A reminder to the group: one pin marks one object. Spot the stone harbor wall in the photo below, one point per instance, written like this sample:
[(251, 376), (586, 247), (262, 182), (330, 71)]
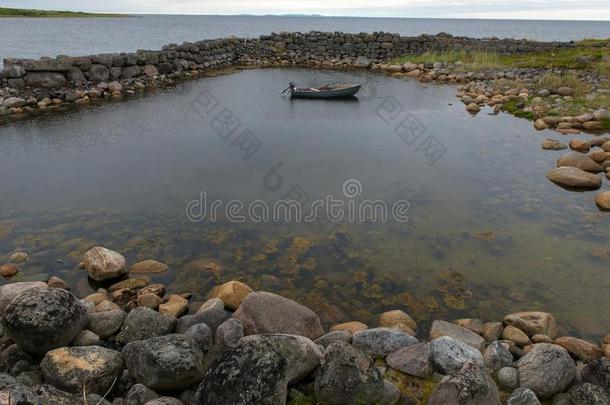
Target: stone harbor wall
[(341, 49)]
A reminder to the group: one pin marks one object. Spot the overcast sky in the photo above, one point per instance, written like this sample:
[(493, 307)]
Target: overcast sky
[(503, 9)]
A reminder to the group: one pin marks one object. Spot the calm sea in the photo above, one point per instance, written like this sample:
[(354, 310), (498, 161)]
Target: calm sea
[(25, 37)]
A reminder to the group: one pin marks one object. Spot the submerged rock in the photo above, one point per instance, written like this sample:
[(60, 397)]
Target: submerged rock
[(103, 264), (231, 293), (41, 319)]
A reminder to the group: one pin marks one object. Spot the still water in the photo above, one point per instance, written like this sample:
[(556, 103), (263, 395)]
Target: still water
[(487, 234), (35, 37)]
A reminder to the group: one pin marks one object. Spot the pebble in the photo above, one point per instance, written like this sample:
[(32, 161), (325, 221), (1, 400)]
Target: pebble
[(602, 200), (8, 270)]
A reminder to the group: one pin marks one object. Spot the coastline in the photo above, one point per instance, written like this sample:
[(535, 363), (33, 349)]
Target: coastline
[(6, 12)]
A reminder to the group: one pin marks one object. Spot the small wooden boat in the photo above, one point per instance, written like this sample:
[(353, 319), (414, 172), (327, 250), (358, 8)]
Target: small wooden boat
[(327, 91)]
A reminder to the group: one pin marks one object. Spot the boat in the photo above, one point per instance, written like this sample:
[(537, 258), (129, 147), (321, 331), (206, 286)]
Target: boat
[(327, 91)]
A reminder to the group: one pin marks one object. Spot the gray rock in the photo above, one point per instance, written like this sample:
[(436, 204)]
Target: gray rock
[(13, 102), (202, 334), (47, 65), (597, 372), (144, 323), (165, 401), (98, 73), (413, 360), (348, 376), (13, 71), (588, 394), (546, 369), (169, 363), (86, 338), (139, 394), (508, 377), (41, 319), (523, 396), (107, 323), (334, 336), (264, 312), (259, 370), (442, 328), (229, 333), (450, 355), (496, 356), (562, 399), (380, 342), (601, 115), (471, 385), (75, 75), (45, 80), (10, 291), (150, 70), (213, 317), (72, 368), (130, 71), (18, 394)]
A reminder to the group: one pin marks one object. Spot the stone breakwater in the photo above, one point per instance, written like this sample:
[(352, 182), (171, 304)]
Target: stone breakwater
[(133, 343), (48, 82)]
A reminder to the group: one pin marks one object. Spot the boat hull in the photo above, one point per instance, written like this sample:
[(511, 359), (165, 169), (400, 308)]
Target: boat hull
[(335, 93)]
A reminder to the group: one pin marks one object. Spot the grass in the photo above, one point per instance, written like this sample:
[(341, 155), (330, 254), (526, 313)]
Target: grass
[(18, 12)]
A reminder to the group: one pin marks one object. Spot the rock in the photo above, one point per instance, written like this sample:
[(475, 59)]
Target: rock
[(565, 91), (593, 125), (104, 264), (597, 372), (144, 323), (442, 328), (580, 349), (149, 300), (580, 161), (475, 325), (588, 394), (10, 291), (540, 338), (264, 312), (127, 72), (170, 362), (551, 120), (139, 394), (601, 115), (165, 401), (75, 75), (45, 80), (334, 336), (202, 335), (212, 313), (471, 385), (98, 73), (522, 396), (351, 327), (515, 335), (229, 333), (580, 145), (492, 331), (574, 178), (13, 102), (497, 356), (107, 323), (130, 283), (115, 86), (41, 319), (539, 124), (86, 338), (449, 355), (8, 270), (380, 342), (473, 108), (175, 306), (546, 369), (413, 360), (105, 305), (148, 267), (150, 71), (19, 257), (602, 200), (73, 368), (56, 282), (347, 376), (259, 370), (231, 293), (533, 322), (362, 62), (391, 318), (508, 377)]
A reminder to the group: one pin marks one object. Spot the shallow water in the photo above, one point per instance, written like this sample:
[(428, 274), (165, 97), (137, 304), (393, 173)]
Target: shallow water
[(36, 37), (487, 233)]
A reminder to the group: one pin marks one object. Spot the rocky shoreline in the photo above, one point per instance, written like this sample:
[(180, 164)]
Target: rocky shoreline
[(135, 343)]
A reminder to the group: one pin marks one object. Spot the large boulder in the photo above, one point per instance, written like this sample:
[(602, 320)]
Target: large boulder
[(264, 312), (168, 363), (579, 348), (580, 161), (442, 328), (413, 360), (144, 323), (588, 394), (470, 386), (573, 177), (10, 291), (533, 323), (98, 73), (45, 80), (104, 264), (546, 369), (598, 372), (90, 369), (380, 342), (348, 376), (41, 319), (259, 370), (450, 355)]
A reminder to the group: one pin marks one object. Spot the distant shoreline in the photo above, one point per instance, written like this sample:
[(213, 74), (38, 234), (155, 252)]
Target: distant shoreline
[(21, 13)]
